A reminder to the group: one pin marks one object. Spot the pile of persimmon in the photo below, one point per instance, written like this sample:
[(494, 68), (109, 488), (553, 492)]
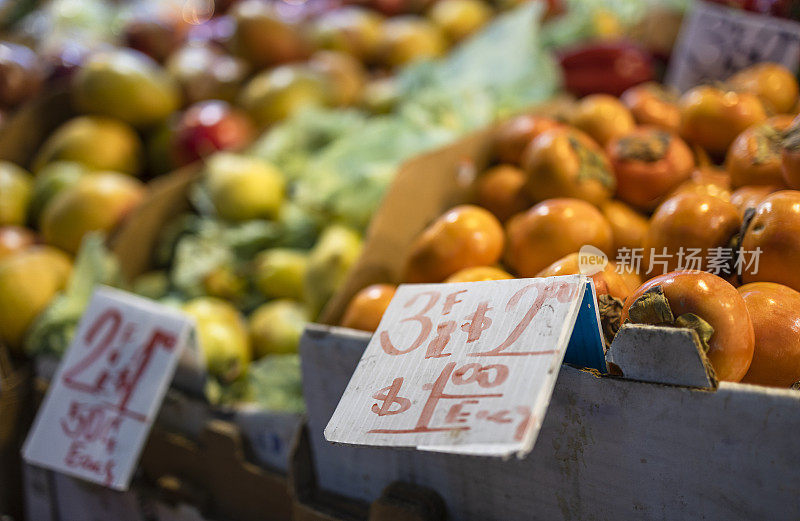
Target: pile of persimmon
[(703, 185)]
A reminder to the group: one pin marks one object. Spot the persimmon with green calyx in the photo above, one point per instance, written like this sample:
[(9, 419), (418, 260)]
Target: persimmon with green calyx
[(648, 164), (564, 162), (754, 158), (775, 312), (703, 302)]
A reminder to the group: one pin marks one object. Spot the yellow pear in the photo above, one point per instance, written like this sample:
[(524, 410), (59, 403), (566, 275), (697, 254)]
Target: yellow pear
[(29, 279), (222, 336), (97, 202)]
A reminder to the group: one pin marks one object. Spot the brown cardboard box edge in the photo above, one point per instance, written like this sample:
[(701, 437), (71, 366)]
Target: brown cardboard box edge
[(421, 190)]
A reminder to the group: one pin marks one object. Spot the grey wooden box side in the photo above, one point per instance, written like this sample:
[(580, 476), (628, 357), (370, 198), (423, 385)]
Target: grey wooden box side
[(609, 449)]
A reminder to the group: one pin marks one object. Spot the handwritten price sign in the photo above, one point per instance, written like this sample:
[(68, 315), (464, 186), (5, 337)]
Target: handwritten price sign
[(108, 388), (717, 41), (468, 367)]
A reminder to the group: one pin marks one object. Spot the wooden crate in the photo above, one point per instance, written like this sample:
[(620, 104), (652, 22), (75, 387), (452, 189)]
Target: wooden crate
[(609, 448)]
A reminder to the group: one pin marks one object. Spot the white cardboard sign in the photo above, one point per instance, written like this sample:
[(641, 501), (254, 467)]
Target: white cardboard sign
[(468, 367), (108, 388), (716, 41)]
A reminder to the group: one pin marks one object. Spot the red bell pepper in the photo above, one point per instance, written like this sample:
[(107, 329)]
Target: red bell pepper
[(605, 68)]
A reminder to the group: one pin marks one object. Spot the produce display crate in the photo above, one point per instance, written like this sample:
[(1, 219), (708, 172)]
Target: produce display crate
[(609, 447), (178, 480)]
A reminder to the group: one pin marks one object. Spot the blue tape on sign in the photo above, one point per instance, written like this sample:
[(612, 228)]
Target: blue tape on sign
[(585, 348)]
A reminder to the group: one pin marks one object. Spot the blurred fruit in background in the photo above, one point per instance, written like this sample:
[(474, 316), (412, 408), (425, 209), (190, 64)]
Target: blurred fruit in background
[(155, 32), (263, 37), (280, 272), (127, 85), (551, 230), (206, 72), (628, 226), (501, 190), (653, 104), (751, 196), (380, 95), (458, 19), (29, 279), (514, 136), (366, 308), (465, 237), (603, 118), (276, 327), (244, 187), (51, 180), (713, 118), (605, 68), (276, 94), (345, 76), (16, 190), (774, 85), (329, 261), (406, 39), (98, 143), (21, 74), (14, 239), (754, 157), (207, 127), (222, 337), (96, 202), (351, 29)]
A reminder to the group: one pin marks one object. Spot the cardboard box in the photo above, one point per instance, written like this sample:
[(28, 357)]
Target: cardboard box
[(609, 448)]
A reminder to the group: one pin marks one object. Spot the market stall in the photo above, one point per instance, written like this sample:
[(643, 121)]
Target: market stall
[(208, 208)]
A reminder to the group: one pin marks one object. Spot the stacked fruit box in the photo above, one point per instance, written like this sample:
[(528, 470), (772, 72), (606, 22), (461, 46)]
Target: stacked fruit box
[(702, 357)]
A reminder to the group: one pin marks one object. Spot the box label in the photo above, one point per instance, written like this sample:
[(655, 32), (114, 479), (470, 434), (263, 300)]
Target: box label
[(717, 41), (108, 388), (466, 367)]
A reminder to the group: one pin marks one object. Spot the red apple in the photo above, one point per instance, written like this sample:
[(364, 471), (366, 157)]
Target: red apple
[(207, 127)]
